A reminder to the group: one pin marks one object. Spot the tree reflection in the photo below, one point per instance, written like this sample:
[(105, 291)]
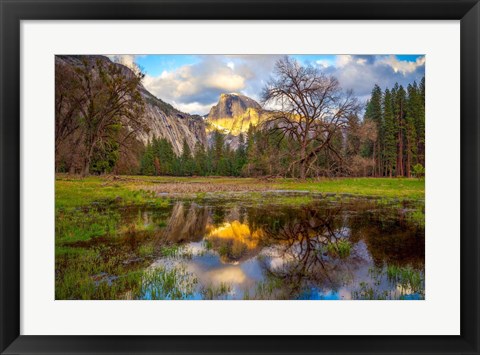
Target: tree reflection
[(303, 253)]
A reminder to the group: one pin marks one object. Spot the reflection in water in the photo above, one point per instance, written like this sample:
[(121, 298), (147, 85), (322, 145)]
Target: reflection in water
[(328, 249), (319, 251)]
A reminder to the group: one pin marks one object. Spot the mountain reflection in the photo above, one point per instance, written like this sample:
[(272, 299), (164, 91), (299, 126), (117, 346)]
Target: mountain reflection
[(284, 252)]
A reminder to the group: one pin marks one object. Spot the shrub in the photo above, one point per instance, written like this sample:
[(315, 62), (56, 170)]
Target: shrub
[(419, 171)]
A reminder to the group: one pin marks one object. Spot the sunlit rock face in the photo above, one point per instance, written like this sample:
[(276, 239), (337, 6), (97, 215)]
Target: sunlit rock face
[(234, 113), (161, 120), (234, 241)]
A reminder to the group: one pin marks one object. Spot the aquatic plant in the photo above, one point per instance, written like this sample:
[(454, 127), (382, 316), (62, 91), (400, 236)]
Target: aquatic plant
[(162, 283), (169, 250), (212, 292), (407, 277), (145, 250), (417, 216), (342, 248), (369, 292)]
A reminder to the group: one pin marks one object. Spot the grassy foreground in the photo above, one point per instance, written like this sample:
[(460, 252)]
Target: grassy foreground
[(104, 253), (73, 192)]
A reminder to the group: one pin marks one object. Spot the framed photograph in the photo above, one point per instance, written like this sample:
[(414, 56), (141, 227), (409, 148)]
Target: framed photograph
[(239, 177)]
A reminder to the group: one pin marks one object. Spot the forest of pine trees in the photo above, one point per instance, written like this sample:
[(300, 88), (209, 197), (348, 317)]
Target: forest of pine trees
[(399, 117), (218, 159)]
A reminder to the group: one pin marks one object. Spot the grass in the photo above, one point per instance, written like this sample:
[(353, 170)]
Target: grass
[(146, 250), (407, 277), (170, 251), (266, 288), (409, 284), (90, 209), (341, 248), (70, 193), (216, 292), (368, 292), (89, 276), (380, 187), (417, 216), (125, 190), (385, 187), (78, 225), (161, 283)]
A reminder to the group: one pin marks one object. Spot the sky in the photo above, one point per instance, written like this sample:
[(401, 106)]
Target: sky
[(193, 83)]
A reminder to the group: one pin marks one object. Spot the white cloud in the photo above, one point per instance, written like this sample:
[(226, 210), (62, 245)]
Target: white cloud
[(402, 66), (226, 81), (195, 88), (361, 61), (361, 73), (194, 107), (323, 63), (343, 60), (126, 59), (129, 60)]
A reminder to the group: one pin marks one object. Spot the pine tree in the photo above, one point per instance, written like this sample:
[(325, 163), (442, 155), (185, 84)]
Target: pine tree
[(218, 150), (240, 155), (200, 161), (399, 99), (374, 112), (147, 161), (186, 161), (420, 124), (411, 118), (390, 148)]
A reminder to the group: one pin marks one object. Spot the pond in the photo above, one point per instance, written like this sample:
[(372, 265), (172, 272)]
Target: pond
[(277, 246)]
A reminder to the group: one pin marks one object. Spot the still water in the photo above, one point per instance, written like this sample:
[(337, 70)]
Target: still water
[(324, 248)]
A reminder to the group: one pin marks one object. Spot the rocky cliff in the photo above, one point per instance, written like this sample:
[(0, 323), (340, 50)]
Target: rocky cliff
[(160, 119), (234, 113), (164, 121)]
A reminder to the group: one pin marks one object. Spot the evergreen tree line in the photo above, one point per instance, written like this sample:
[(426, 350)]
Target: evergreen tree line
[(399, 117), (217, 159)]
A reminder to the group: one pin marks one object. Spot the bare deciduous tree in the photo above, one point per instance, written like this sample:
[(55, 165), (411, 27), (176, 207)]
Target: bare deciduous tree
[(68, 100), (308, 107), (111, 100)]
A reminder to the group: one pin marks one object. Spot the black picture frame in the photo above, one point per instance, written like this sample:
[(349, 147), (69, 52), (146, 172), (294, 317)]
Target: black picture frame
[(13, 11)]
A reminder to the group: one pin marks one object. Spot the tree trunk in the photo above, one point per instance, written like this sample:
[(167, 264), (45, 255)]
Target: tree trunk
[(303, 168), (303, 163), (400, 153), (409, 160), (90, 143), (86, 165)]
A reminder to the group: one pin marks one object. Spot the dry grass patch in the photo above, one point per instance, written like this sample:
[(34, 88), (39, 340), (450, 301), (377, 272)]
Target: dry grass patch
[(203, 187)]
